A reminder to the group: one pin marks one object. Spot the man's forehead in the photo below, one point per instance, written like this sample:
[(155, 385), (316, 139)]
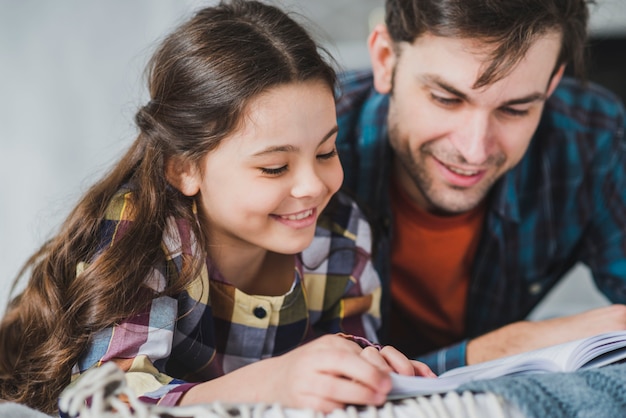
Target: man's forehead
[(459, 63)]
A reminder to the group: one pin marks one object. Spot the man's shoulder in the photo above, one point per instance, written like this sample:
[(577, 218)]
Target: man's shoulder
[(352, 80), (355, 86), (579, 139), (586, 105), (360, 108), (362, 144)]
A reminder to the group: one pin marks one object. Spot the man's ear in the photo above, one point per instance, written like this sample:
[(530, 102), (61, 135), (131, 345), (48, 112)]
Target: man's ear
[(183, 175), (556, 79), (383, 58)]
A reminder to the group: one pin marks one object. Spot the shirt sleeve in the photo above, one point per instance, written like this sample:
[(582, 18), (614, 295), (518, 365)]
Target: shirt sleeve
[(446, 358), (605, 243), (137, 345), (141, 344)]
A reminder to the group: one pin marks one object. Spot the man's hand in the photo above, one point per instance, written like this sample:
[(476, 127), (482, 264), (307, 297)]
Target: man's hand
[(524, 336)]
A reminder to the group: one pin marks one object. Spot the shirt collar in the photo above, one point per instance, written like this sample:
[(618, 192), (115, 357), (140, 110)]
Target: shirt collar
[(504, 198)]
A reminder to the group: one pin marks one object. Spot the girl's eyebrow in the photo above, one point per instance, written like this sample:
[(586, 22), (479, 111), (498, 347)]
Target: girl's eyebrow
[(330, 133), (291, 148)]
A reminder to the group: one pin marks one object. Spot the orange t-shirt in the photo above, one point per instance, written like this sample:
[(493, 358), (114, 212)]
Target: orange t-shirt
[(430, 269)]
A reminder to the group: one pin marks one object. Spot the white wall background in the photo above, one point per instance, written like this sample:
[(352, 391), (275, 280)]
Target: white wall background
[(71, 79)]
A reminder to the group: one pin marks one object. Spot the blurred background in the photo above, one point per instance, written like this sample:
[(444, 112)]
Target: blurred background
[(71, 80)]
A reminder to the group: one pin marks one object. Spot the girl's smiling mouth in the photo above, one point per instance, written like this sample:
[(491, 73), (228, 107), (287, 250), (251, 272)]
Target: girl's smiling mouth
[(298, 220)]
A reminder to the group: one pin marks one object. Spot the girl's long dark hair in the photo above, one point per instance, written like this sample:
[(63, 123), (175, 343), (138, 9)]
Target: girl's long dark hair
[(200, 80)]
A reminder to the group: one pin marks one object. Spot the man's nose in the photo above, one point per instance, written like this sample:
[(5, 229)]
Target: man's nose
[(472, 138)]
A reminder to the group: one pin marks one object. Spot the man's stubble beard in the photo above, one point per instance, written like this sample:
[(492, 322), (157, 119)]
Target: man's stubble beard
[(447, 200)]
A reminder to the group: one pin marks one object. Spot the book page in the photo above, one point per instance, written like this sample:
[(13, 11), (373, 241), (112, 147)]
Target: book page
[(590, 352), (403, 386)]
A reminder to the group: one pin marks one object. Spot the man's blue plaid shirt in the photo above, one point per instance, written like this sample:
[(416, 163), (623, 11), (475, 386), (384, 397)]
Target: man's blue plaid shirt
[(565, 202)]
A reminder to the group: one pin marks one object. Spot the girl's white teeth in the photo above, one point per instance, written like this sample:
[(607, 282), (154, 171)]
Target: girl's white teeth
[(462, 172), (299, 216)]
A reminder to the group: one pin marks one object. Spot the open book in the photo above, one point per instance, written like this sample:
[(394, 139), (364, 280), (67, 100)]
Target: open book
[(586, 353)]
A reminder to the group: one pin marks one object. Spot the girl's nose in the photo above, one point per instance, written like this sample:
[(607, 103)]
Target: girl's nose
[(308, 184)]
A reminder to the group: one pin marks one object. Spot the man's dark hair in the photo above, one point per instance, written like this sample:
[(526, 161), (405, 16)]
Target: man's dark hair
[(511, 26)]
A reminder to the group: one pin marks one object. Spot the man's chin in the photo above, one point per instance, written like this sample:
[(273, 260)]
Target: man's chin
[(453, 206)]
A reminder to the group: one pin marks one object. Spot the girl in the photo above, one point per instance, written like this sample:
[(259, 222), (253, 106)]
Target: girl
[(203, 262)]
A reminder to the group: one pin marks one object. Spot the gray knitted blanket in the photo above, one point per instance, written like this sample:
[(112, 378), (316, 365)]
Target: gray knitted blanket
[(594, 393)]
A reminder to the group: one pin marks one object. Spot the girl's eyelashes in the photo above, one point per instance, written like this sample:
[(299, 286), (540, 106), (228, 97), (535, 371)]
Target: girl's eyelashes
[(276, 171), (328, 155), (273, 171)]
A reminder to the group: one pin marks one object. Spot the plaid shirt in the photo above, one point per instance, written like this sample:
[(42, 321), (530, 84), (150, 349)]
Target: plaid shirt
[(213, 328), (565, 202)]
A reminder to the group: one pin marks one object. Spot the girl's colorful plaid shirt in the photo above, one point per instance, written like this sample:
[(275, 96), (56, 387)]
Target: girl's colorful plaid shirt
[(213, 328)]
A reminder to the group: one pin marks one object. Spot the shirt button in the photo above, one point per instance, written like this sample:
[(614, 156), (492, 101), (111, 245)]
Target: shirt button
[(535, 288), (260, 312)]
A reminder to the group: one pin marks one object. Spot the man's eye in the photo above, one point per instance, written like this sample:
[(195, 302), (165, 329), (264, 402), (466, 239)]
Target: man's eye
[(446, 101), (328, 155), (273, 171), (515, 112)]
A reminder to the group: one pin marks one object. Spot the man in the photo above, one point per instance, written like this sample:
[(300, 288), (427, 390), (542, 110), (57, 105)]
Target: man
[(487, 172)]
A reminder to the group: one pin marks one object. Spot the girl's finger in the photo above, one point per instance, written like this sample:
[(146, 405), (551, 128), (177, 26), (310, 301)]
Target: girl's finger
[(372, 355), (333, 389), (352, 366), (398, 362), (422, 369)]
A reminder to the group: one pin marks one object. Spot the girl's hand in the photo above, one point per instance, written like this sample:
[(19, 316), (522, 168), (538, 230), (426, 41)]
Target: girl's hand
[(391, 360), (328, 373)]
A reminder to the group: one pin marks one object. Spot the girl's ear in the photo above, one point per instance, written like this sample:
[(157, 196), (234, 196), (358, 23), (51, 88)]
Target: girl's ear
[(383, 58), (183, 175)]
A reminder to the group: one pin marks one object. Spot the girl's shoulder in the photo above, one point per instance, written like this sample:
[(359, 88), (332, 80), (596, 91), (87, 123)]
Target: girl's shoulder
[(120, 206), (342, 238), (343, 217)]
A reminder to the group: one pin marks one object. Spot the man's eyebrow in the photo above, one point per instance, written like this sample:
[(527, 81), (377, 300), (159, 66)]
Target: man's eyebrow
[(533, 97), (291, 148), (436, 80)]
